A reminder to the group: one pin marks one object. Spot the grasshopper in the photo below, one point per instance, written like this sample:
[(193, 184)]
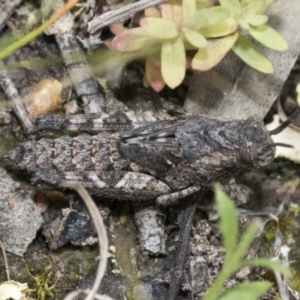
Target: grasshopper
[(158, 156)]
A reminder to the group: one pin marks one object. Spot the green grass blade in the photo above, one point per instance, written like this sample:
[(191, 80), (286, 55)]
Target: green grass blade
[(246, 291), (36, 32), (228, 221)]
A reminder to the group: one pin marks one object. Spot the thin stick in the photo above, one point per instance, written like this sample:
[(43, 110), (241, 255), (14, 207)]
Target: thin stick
[(115, 15), (5, 260), (12, 93), (102, 240), (77, 293)]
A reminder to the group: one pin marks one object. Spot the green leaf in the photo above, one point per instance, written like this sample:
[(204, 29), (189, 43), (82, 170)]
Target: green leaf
[(153, 73), (188, 10), (230, 4), (159, 28), (247, 52), (217, 14), (199, 20), (132, 40), (234, 6), (258, 6), (195, 38), (246, 291), (210, 16), (220, 29), (228, 220), (172, 12), (200, 4), (167, 11), (264, 5), (244, 24), (267, 263), (206, 59), (268, 37), (247, 239), (250, 8), (257, 20), (173, 62), (245, 2)]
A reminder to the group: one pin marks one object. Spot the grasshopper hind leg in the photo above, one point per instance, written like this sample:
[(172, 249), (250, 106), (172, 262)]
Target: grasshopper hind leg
[(109, 184)]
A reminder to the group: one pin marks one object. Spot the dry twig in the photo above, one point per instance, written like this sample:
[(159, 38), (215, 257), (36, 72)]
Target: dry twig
[(102, 241), (114, 16), (5, 260)]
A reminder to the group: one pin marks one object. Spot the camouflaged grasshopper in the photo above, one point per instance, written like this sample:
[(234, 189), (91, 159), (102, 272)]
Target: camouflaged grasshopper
[(162, 156)]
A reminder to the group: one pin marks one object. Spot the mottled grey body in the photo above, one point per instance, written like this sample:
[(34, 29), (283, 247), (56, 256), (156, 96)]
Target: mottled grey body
[(146, 155)]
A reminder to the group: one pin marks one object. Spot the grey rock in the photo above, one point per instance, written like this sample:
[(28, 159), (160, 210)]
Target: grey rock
[(19, 217)]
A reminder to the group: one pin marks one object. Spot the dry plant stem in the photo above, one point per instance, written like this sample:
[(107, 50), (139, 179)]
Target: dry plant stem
[(186, 222), (80, 73), (86, 87), (102, 240), (118, 14), (282, 281), (12, 94), (75, 294), (5, 260), (282, 286)]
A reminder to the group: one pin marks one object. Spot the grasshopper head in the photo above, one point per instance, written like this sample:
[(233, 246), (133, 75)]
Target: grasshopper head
[(256, 147)]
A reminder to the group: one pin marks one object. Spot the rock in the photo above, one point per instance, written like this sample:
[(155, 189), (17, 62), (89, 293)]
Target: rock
[(20, 219)]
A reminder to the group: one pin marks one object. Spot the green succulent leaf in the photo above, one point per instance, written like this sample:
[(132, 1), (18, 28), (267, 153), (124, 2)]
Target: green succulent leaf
[(228, 220), (153, 73), (199, 20), (207, 58), (203, 4), (173, 62), (210, 16), (188, 10), (220, 29), (266, 4), (159, 28), (252, 56), (245, 2), (244, 24), (132, 40), (217, 14), (247, 291), (268, 37), (234, 6), (172, 12), (256, 7), (267, 263), (195, 38), (167, 11), (257, 20)]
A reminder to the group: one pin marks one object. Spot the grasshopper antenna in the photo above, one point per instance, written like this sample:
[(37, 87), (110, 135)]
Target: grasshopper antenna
[(280, 145), (283, 145), (286, 123)]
